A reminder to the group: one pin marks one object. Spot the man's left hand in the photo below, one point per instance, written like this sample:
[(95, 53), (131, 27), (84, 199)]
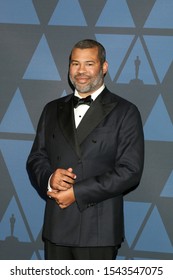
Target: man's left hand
[(63, 198)]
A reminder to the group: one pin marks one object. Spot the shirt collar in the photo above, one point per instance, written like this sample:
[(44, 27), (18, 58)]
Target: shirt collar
[(94, 94)]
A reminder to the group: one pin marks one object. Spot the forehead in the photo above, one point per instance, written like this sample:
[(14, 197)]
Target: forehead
[(85, 54)]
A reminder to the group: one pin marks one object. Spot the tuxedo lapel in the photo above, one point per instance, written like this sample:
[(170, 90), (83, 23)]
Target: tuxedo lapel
[(99, 109), (67, 123)]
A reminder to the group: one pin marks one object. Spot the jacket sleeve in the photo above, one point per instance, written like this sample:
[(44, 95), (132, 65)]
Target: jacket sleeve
[(38, 164), (128, 165)]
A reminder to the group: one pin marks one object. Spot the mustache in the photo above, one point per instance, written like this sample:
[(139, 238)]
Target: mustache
[(81, 76)]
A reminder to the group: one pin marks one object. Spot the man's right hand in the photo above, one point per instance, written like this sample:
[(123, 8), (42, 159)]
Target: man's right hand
[(62, 179)]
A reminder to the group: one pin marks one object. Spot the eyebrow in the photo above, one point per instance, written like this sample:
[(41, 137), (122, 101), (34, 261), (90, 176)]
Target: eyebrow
[(75, 60)]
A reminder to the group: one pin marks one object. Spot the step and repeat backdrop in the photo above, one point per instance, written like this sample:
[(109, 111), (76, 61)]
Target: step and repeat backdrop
[(35, 41)]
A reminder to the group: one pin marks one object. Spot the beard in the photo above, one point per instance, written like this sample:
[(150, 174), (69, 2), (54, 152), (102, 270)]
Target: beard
[(93, 85)]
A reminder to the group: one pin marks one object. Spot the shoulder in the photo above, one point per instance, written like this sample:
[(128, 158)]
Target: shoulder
[(49, 111), (56, 102), (115, 97), (59, 100), (123, 108)]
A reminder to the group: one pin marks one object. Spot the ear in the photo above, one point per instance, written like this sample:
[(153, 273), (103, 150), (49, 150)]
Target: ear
[(105, 67)]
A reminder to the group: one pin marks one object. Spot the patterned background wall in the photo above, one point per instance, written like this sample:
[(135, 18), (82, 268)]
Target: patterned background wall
[(35, 40)]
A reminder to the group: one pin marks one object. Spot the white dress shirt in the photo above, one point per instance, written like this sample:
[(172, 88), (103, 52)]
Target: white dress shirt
[(80, 111)]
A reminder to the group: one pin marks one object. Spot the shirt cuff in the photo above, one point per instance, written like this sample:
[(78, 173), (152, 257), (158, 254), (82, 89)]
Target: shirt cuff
[(48, 186)]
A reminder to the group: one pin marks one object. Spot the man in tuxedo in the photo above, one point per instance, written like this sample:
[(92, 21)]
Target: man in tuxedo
[(88, 152)]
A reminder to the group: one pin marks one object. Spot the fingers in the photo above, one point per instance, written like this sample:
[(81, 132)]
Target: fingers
[(54, 196), (63, 198), (70, 170), (62, 179)]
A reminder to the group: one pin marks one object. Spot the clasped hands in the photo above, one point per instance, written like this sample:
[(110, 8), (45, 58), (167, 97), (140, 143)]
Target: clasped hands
[(61, 183)]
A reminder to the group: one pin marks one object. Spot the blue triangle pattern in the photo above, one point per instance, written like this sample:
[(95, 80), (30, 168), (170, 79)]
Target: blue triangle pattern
[(140, 259), (41, 253), (64, 93), (116, 47), (16, 118), (115, 14), (157, 122), (120, 258), (20, 231), (132, 220), (34, 257), (42, 65), (15, 153), (145, 73), (18, 12), (168, 188), (154, 237), (161, 15), (68, 12), (157, 45)]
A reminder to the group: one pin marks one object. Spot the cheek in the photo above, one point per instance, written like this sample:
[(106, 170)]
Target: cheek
[(72, 75), (93, 73), (72, 70)]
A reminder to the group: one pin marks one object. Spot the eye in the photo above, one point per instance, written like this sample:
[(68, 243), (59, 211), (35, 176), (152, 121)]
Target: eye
[(74, 63), (89, 63)]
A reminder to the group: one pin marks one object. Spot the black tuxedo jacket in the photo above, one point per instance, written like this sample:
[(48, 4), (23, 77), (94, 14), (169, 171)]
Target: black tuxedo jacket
[(106, 152)]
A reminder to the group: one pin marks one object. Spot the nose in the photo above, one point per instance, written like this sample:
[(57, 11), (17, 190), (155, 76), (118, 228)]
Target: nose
[(81, 68)]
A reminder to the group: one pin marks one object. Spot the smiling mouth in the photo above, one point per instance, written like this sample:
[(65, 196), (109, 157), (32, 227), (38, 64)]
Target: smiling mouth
[(82, 79)]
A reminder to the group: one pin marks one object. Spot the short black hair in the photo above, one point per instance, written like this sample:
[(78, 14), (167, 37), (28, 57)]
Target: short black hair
[(88, 44)]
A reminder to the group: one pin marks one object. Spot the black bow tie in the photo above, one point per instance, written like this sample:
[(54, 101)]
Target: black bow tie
[(82, 101)]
